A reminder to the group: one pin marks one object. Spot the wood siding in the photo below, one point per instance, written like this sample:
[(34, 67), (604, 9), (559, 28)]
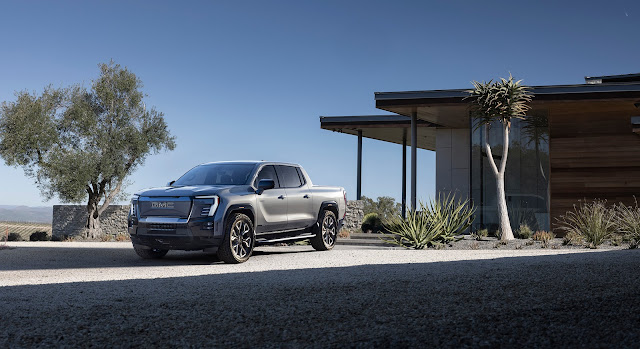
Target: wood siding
[(594, 153)]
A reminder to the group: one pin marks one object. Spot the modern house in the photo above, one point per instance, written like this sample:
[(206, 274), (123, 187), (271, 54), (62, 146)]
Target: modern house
[(578, 142)]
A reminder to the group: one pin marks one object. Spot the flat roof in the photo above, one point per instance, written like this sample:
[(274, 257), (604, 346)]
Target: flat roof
[(553, 92), (388, 128)]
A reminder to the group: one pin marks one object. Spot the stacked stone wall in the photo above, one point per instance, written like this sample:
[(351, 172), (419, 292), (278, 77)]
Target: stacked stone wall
[(355, 215), (70, 220)]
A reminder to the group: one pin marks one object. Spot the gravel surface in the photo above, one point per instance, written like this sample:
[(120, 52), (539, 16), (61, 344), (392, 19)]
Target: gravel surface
[(55, 294)]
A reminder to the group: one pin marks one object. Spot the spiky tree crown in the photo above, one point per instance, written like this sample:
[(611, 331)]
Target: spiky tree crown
[(499, 100)]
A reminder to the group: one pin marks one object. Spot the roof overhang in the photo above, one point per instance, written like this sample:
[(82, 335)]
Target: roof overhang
[(449, 108), (388, 128)]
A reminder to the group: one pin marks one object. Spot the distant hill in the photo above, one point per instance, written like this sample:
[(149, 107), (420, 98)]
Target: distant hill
[(14, 213)]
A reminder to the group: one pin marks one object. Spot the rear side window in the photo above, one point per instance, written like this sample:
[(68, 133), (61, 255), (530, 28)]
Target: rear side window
[(267, 172), (289, 177)]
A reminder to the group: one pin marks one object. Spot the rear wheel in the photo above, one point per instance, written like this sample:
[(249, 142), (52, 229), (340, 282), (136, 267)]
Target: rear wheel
[(147, 253), (326, 232), (239, 240)]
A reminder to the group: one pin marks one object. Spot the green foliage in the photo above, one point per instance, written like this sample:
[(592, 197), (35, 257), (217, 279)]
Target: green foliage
[(39, 236), (385, 206), (480, 234), (591, 220), (543, 236), (434, 224), (524, 232), (14, 237), (628, 222), (572, 238), (77, 142), (371, 223), (499, 101)]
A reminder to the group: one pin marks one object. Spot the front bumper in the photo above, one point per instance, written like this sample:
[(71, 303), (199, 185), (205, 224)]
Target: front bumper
[(162, 233)]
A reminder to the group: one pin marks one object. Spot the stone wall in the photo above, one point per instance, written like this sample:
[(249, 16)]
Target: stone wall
[(70, 220), (355, 214)]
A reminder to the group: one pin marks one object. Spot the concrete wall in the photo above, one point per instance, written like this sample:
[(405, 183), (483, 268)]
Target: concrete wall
[(453, 152), (70, 220)]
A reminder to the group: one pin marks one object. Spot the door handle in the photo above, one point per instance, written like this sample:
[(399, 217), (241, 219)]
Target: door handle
[(281, 197), (306, 196)]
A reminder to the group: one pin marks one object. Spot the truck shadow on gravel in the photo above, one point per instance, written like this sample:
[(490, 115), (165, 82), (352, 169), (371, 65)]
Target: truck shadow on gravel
[(569, 300)]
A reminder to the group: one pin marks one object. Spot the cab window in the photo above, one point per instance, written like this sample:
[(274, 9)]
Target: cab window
[(288, 176), (267, 172)]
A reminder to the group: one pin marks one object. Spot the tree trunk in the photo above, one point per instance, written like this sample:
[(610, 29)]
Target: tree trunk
[(503, 213), (93, 230)]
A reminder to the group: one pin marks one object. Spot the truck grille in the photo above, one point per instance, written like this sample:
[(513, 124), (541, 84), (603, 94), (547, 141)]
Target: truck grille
[(162, 226), (179, 207)]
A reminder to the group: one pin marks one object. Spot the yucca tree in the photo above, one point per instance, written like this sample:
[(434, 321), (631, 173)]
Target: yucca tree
[(499, 102)]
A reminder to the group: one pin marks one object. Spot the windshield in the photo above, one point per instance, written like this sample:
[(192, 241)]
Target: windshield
[(216, 174)]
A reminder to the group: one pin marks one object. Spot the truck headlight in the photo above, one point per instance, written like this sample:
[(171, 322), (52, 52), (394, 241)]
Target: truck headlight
[(210, 205)]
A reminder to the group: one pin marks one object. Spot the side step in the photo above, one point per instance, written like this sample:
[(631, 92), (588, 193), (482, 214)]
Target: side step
[(299, 237)]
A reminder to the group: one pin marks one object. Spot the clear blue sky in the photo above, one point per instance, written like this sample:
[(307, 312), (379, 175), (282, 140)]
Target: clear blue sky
[(249, 79)]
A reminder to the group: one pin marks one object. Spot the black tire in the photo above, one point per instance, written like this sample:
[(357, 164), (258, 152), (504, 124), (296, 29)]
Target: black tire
[(239, 240), (326, 232), (153, 253)]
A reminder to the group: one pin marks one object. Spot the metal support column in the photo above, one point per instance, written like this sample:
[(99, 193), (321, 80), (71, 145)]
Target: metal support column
[(414, 158), (359, 187), (404, 173)]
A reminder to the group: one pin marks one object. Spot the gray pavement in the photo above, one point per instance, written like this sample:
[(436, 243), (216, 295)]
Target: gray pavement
[(103, 295)]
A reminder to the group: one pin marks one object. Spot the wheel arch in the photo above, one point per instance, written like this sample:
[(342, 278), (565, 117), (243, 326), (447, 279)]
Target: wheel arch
[(328, 206), (240, 208)]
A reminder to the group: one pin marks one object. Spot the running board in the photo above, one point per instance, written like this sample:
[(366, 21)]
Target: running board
[(299, 237)]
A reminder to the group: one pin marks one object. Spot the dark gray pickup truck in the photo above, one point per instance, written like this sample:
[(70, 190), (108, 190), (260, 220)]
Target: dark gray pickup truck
[(230, 207)]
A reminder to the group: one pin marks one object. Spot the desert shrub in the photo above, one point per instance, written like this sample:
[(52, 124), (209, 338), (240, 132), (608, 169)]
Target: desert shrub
[(480, 234), (592, 220), (628, 222), (524, 232), (497, 234), (371, 223), (572, 238), (39, 236), (14, 237), (454, 213), (344, 234), (435, 223), (543, 236)]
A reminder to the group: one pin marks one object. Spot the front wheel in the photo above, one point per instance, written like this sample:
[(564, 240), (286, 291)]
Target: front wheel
[(326, 232), (239, 240), (150, 253)]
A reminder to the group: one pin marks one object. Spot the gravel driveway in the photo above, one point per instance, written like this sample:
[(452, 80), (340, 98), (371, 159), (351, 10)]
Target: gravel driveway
[(55, 294)]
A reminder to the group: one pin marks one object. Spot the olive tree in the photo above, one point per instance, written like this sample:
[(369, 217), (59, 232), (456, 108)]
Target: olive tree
[(498, 102), (81, 144)]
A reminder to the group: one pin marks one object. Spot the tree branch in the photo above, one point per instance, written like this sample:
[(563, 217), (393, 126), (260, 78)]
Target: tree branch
[(487, 149)]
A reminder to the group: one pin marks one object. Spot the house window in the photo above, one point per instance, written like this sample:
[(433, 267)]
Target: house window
[(526, 175)]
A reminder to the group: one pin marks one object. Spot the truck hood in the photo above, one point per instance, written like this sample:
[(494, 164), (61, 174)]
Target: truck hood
[(193, 190)]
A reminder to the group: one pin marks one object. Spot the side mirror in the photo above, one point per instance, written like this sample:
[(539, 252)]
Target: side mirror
[(170, 183), (265, 184)]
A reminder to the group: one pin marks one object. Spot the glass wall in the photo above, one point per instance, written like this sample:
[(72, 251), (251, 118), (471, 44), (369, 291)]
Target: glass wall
[(526, 176)]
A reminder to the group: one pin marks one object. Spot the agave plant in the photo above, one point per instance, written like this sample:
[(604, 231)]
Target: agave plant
[(455, 214), (417, 231), (435, 223)]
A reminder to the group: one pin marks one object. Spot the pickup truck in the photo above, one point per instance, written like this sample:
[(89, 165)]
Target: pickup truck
[(231, 207)]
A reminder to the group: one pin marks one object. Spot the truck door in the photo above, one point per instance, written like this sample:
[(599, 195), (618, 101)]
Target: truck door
[(299, 200), (272, 203)]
